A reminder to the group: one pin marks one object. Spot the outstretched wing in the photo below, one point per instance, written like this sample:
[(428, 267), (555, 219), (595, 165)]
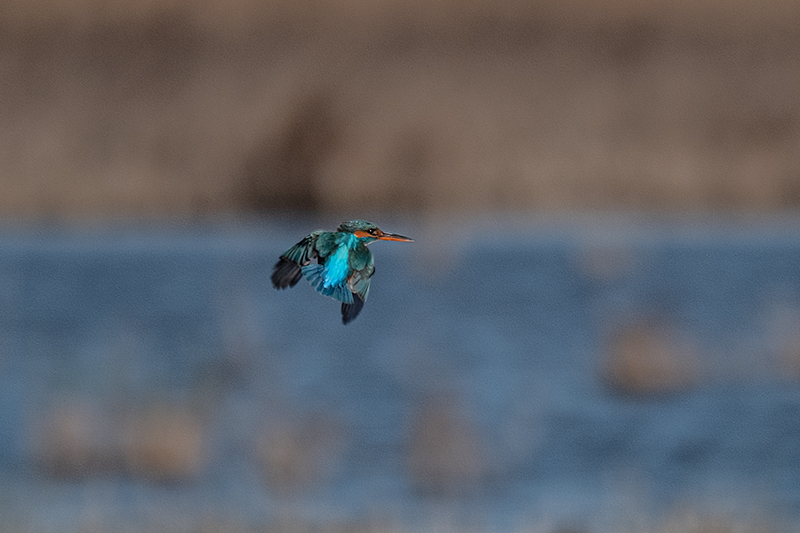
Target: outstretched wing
[(287, 271)]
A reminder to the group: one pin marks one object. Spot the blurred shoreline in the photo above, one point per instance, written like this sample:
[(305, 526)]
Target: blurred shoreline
[(171, 108)]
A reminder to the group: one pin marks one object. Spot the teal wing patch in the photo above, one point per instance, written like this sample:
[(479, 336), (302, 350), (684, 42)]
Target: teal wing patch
[(304, 251), (327, 243)]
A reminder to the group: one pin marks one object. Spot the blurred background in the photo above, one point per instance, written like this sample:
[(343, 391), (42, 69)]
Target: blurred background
[(597, 328)]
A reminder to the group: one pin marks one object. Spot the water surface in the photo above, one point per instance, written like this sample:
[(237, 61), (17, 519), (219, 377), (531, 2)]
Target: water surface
[(474, 386)]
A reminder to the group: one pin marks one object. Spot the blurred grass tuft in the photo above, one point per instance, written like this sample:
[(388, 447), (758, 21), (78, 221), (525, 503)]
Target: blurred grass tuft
[(445, 456), (645, 358)]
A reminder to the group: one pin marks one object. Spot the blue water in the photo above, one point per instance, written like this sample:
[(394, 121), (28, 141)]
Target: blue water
[(501, 324)]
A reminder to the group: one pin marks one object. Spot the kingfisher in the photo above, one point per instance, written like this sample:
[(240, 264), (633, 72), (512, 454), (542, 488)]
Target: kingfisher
[(344, 263)]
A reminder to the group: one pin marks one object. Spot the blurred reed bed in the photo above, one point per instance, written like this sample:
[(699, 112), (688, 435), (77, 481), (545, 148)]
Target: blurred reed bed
[(118, 107)]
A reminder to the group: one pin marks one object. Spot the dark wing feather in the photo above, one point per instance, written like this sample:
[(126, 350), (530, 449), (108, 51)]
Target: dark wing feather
[(286, 274), (287, 271), (350, 311)]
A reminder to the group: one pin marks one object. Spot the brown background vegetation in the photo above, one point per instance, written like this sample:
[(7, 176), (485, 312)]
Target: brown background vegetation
[(174, 107)]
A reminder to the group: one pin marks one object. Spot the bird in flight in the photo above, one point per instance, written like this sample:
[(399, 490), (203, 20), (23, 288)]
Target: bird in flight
[(344, 263)]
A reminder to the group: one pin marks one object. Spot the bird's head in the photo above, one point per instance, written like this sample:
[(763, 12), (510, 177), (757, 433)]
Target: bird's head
[(367, 231)]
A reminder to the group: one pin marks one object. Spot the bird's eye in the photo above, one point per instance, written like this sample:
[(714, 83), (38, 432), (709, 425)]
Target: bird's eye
[(373, 231)]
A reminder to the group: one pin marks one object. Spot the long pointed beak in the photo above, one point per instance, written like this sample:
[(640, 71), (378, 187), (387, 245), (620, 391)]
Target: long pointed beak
[(394, 237)]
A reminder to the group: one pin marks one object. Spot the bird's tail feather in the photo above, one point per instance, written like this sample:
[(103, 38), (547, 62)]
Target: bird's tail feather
[(315, 274)]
